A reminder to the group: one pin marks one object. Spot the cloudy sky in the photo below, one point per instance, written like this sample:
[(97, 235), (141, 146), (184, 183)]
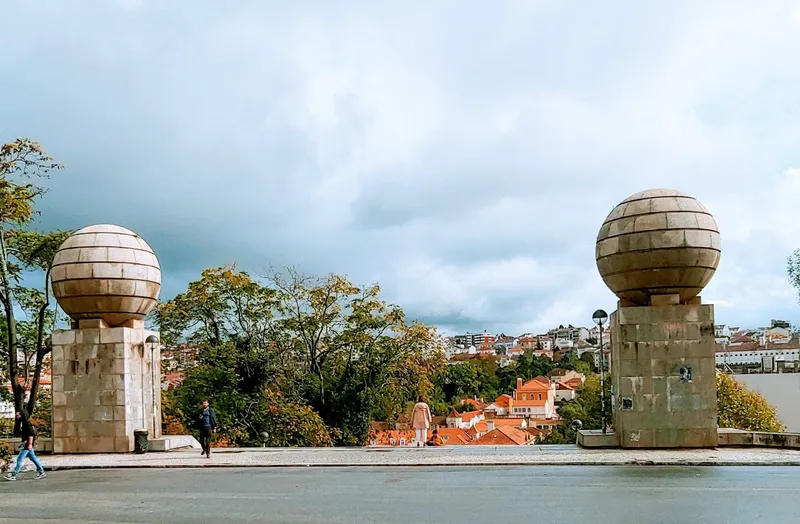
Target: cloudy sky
[(461, 153)]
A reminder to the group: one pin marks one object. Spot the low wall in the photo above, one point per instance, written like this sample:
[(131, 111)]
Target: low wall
[(595, 438), (781, 390), (589, 438), (741, 438), (43, 445)]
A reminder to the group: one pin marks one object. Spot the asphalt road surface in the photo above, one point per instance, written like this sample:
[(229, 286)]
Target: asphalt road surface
[(604, 494)]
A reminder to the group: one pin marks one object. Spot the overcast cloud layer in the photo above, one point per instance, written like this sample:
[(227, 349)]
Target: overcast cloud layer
[(463, 154)]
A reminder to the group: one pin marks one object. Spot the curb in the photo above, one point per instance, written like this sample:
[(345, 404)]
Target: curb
[(697, 463)]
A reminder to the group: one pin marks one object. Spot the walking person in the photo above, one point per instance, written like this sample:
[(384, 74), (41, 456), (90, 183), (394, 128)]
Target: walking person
[(421, 421), (24, 429), (206, 422)]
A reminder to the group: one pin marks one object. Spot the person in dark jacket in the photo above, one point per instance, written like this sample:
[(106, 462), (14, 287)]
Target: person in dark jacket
[(25, 430), (206, 423)]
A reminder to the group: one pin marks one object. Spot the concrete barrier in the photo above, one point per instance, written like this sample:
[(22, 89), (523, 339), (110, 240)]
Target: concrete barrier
[(594, 438), (742, 438), (169, 442)]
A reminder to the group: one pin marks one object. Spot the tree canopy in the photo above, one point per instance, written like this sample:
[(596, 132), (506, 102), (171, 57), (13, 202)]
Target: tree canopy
[(741, 408), (793, 269), (23, 165), (291, 347)]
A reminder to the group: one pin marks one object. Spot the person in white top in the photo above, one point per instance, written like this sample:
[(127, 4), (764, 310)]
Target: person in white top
[(421, 421)]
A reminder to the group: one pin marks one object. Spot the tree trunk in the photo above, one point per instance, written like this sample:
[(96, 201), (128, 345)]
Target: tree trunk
[(41, 350), (11, 322)]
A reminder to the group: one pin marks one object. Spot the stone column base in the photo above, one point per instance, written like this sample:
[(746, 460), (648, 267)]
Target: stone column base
[(664, 376), (105, 387)]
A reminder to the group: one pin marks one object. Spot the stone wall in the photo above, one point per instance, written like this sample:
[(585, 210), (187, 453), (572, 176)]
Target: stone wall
[(104, 382), (664, 380)]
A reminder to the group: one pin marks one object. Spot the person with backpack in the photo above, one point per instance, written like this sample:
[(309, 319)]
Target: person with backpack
[(24, 429)]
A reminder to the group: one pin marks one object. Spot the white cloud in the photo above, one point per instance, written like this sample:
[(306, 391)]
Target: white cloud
[(465, 156)]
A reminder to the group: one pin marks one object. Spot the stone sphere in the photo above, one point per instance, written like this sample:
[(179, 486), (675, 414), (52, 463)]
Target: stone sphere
[(106, 272), (658, 242)]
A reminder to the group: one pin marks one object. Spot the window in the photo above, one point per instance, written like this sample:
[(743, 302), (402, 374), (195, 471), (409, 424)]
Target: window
[(524, 396), (540, 396)]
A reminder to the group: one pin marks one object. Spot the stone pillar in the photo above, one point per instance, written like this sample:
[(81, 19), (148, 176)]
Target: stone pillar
[(105, 382), (664, 375)]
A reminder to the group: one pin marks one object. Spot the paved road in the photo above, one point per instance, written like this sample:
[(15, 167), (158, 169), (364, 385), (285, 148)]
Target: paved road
[(614, 494)]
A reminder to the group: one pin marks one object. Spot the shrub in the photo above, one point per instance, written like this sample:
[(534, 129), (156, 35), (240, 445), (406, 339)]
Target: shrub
[(6, 453), (6, 427), (42, 415), (741, 408), (172, 416)]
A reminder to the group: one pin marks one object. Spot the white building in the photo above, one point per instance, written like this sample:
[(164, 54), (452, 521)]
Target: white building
[(6, 409), (742, 357), (564, 392), (722, 334), (463, 420)]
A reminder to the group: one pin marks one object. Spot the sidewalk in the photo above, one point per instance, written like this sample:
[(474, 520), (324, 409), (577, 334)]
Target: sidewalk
[(447, 456)]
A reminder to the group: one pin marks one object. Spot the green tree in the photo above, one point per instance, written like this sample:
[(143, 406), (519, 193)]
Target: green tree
[(586, 407), (23, 163), (465, 407), (288, 341), (793, 268), (741, 408), (473, 378), (572, 362)]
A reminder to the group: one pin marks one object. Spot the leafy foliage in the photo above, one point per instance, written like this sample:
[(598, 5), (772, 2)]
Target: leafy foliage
[(741, 408), (6, 454), (586, 407), (286, 348), (42, 415), (22, 163), (172, 417), (793, 269), (465, 407), (294, 425)]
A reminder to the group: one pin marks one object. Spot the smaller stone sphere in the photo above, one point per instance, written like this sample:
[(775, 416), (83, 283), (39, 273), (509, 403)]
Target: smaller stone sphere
[(106, 272), (658, 242)]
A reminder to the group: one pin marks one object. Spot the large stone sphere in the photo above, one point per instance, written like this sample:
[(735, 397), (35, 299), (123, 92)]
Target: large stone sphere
[(658, 242), (106, 272)]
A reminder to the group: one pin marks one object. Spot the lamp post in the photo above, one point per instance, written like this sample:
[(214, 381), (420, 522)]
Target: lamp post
[(600, 318), (152, 342)]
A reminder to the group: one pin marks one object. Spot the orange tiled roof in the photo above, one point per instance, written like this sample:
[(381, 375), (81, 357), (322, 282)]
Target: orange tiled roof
[(564, 385), (481, 426), (384, 438), (478, 403), (505, 436), (512, 422), (537, 383), (455, 436), (574, 383), (502, 401), (469, 415)]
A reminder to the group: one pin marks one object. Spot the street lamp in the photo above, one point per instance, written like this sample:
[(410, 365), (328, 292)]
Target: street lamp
[(600, 318), (152, 342)]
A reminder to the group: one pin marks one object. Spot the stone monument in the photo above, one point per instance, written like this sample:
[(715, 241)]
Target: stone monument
[(656, 251), (106, 372)]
